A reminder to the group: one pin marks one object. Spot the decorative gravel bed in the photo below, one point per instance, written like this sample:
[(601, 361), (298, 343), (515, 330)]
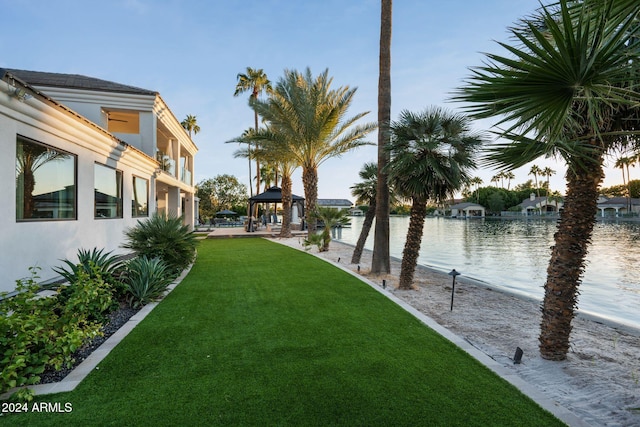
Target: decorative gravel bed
[(116, 319)]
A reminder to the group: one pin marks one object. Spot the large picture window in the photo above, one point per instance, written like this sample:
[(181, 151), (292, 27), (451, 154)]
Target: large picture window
[(108, 192), (140, 197), (45, 182)]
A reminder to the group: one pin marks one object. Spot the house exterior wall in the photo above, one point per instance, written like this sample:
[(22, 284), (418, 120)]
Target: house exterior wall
[(157, 127), (43, 243)]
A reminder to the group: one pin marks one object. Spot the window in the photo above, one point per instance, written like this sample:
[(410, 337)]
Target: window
[(108, 192), (45, 182), (140, 197), (122, 121)]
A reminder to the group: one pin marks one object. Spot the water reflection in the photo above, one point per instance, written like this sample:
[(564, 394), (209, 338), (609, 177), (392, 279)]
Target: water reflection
[(514, 254)]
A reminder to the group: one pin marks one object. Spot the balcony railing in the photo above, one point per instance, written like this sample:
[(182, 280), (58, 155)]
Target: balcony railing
[(185, 176), (167, 164)]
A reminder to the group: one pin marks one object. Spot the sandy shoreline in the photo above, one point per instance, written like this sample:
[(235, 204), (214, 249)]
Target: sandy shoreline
[(599, 381)]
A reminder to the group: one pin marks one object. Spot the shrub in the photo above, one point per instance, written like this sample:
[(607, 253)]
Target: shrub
[(146, 280), (96, 264), (38, 332), (163, 237), (92, 262), (88, 295)]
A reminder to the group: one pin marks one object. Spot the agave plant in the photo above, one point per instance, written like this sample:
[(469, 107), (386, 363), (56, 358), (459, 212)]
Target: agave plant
[(146, 280), (164, 237), (92, 262)]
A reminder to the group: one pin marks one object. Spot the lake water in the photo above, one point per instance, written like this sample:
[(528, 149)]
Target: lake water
[(514, 255)]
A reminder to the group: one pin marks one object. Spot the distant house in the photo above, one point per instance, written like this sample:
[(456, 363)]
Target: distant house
[(536, 205), (617, 206), (467, 210), (85, 159), (335, 203)]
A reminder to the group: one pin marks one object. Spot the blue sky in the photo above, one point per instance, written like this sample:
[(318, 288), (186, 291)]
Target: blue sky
[(192, 50)]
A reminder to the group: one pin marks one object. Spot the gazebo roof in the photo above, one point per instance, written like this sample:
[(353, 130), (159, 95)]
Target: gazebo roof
[(273, 195)]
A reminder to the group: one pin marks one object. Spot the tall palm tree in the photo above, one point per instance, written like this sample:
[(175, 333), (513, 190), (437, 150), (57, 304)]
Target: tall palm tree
[(547, 171), (381, 260), (309, 118), (568, 83), (620, 163), (508, 175), (431, 154), (495, 179), (365, 192), (190, 124), (535, 171), (477, 181), (256, 82), (272, 147)]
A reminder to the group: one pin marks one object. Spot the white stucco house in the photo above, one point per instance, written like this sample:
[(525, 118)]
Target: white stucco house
[(535, 205), (467, 210), (335, 203), (84, 159), (613, 207)]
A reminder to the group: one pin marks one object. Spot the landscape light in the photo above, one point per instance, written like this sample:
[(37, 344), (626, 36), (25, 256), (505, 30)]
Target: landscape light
[(517, 358), (455, 274)]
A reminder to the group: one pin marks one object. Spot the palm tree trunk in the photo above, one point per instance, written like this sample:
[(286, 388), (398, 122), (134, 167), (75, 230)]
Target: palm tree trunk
[(628, 190), (29, 186), (255, 95), (567, 263), (412, 245), (364, 233), (310, 183), (381, 261), (285, 231)]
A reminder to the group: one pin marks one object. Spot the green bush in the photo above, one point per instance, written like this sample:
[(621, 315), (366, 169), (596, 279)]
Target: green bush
[(146, 280), (88, 295), (39, 332), (96, 264), (163, 237)]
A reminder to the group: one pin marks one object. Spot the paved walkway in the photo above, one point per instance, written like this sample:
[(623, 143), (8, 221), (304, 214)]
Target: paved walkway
[(228, 232)]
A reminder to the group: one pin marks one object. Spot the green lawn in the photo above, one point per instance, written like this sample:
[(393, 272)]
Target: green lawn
[(261, 334)]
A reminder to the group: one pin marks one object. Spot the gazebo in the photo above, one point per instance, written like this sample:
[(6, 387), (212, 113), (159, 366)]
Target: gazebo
[(274, 195)]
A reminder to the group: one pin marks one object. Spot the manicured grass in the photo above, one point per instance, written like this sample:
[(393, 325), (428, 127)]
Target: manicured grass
[(261, 334)]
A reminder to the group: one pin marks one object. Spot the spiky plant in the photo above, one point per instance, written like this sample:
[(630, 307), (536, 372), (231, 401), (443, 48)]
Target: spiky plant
[(165, 237)]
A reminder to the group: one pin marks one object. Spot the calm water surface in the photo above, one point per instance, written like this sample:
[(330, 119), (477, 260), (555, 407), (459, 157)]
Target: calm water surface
[(514, 254)]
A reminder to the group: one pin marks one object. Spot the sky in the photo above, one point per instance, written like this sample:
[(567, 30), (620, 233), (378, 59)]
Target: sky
[(191, 51)]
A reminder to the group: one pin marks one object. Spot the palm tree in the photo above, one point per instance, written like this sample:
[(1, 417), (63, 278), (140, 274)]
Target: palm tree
[(567, 85), (495, 179), (431, 154), (620, 163), (535, 171), (309, 118), (477, 181), (330, 217), (624, 163), (381, 260), (190, 125), (547, 171), (365, 193), (254, 81), (508, 175), (272, 147)]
